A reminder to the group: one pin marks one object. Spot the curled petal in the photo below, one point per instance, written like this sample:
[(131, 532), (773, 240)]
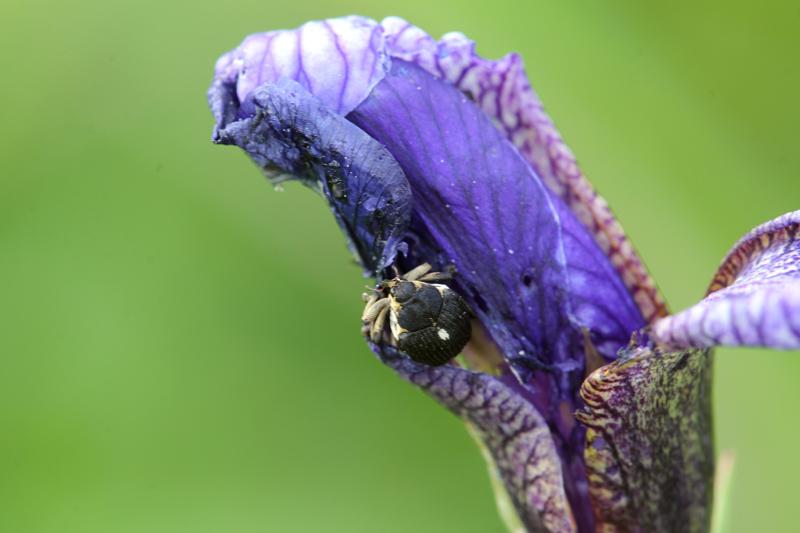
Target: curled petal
[(502, 90), (754, 299), (649, 449), (293, 132), (512, 430), (336, 60), (340, 60)]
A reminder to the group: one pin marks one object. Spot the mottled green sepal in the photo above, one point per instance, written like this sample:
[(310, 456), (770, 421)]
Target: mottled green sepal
[(649, 445)]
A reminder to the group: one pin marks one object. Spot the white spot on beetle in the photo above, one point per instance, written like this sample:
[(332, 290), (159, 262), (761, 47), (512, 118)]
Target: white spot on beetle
[(443, 334)]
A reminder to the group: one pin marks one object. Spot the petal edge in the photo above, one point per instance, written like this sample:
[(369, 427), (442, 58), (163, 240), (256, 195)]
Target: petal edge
[(514, 433), (295, 133), (502, 90), (754, 298)]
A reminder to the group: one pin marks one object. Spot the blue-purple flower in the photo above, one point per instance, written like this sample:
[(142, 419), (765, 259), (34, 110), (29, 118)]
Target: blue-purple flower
[(592, 405)]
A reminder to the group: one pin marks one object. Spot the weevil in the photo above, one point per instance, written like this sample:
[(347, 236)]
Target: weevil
[(428, 321)]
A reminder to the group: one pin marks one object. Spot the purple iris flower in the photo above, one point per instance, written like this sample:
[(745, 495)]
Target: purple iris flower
[(591, 404)]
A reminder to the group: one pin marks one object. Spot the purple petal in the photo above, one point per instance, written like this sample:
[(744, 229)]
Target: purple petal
[(649, 448), (514, 433), (336, 60), (565, 282), (532, 274), (293, 132), (340, 60), (754, 299), (502, 91)]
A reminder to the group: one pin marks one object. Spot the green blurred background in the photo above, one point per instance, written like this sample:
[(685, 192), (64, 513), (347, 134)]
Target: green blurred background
[(180, 347)]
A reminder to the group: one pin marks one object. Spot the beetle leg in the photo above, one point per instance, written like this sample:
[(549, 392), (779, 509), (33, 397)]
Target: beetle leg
[(436, 276), (373, 309), (380, 321), (369, 298), (417, 273)]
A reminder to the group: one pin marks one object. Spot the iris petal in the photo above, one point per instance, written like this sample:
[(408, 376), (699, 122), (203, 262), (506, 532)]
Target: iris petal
[(754, 299), (340, 60), (294, 132), (514, 433), (336, 60), (502, 90), (648, 443), (533, 275)]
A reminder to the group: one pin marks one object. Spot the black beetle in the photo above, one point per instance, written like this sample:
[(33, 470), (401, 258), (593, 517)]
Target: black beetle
[(428, 321)]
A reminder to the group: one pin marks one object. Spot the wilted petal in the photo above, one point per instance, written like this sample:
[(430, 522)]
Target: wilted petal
[(754, 300), (294, 132), (649, 449), (514, 433), (532, 274), (502, 90)]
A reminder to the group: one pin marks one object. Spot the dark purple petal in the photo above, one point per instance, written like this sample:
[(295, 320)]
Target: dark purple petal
[(502, 90), (530, 271), (754, 299), (649, 447), (293, 132), (514, 433), (533, 275), (340, 60)]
